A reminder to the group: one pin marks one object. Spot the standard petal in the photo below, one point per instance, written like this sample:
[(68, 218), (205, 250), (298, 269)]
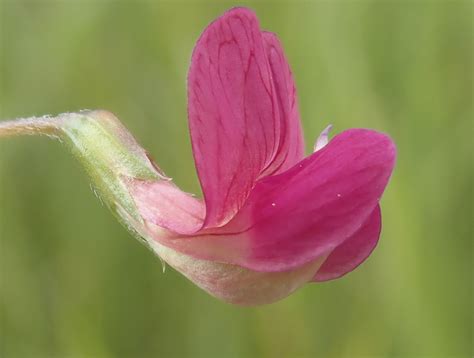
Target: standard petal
[(291, 143), (353, 251), (297, 216), (233, 116)]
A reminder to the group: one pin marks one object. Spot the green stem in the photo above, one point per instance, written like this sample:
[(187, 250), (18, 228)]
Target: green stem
[(45, 125)]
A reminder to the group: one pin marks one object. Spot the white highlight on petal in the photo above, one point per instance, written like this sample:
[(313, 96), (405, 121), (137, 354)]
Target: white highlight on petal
[(323, 138)]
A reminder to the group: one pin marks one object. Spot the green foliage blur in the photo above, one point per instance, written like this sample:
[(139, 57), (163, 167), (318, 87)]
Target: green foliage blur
[(74, 283)]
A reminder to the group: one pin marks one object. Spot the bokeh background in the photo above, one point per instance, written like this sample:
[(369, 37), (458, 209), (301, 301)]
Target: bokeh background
[(74, 283)]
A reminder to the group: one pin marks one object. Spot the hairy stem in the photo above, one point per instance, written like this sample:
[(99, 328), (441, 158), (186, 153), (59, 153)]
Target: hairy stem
[(45, 125)]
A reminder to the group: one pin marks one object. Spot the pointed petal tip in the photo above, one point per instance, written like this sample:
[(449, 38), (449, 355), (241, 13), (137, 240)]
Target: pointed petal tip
[(323, 138)]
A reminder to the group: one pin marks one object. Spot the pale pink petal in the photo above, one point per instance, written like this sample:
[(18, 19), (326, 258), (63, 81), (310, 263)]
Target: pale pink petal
[(234, 284), (233, 116), (164, 204), (293, 218), (231, 283), (353, 251), (291, 143)]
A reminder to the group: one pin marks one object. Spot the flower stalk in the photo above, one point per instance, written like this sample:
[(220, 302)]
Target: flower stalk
[(45, 125)]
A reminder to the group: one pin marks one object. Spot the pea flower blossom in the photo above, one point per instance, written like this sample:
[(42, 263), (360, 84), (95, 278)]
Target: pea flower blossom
[(271, 219)]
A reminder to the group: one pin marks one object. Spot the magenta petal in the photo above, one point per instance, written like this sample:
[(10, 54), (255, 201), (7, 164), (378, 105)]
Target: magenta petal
[(308, 211), (313, 207), (291, 144), (353, 251), (233, 116)]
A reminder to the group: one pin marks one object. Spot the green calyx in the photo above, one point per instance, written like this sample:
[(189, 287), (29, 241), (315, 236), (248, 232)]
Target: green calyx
[(109, 153)]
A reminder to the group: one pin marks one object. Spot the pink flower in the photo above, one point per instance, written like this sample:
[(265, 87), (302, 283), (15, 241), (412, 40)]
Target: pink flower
[(283, 220), (271, 219)]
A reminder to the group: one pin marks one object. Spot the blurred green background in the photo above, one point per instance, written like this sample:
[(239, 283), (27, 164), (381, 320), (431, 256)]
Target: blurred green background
[(74, 283)]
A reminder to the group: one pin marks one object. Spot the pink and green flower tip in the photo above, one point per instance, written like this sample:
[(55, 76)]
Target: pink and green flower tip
[(271, 219)]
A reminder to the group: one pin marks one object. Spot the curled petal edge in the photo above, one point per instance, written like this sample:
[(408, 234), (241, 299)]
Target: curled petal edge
[(353, 251)]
